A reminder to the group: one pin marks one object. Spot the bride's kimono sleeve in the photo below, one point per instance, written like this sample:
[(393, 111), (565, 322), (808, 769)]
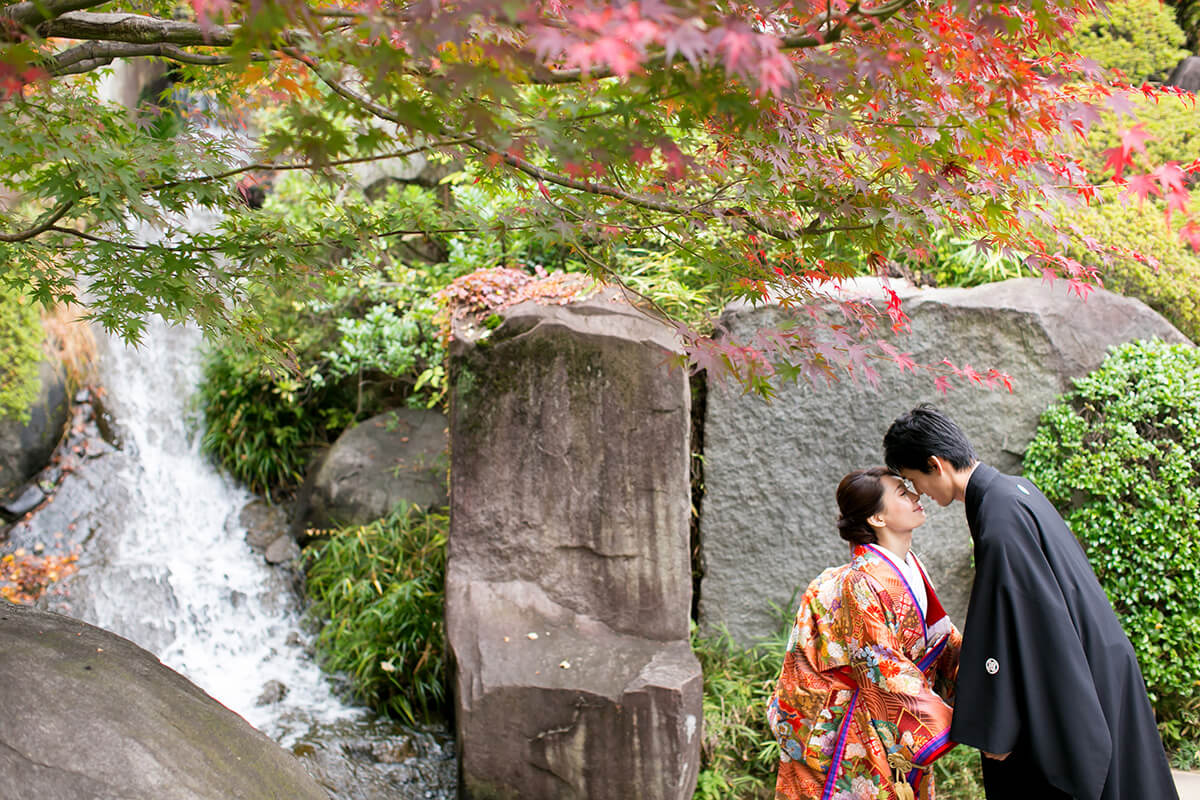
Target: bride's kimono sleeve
[(909, 718)]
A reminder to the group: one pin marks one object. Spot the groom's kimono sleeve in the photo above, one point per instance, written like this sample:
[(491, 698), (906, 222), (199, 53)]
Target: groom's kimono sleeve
[(1023, 674)]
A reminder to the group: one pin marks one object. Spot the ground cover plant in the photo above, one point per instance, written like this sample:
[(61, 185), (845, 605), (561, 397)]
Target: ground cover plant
[(377, 590), (1118, 455)]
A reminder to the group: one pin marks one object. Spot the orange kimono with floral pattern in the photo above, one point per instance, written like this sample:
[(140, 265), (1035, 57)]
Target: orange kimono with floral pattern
[(866, 675)]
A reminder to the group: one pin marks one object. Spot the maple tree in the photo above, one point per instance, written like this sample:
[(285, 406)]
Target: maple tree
[(776, 145)]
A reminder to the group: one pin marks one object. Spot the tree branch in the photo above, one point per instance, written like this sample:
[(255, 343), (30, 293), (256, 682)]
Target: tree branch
[(136, 29), (89, 56), (30, 14), (589, 187), (285, 167), (40, 228)]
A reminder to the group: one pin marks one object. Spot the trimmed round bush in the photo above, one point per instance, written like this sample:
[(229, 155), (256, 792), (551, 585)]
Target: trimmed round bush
[(1170, 286), (1120, 458), (1139, 37)]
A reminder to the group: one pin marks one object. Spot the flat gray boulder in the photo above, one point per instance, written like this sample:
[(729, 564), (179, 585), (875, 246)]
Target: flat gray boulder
[(399, 455), (770, 469), (26, 447), (87, 714)]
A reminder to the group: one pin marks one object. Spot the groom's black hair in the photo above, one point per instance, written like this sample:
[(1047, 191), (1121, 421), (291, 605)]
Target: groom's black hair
[(925, 432)]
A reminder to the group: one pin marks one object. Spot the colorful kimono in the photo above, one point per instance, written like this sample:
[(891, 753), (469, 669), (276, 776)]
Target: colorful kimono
[(867, 676)]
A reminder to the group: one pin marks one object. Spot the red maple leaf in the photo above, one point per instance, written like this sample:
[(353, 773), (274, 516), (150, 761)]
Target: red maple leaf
[(736, 44), (1170, 176), (1141, 186), (1135, 138), (1116, 159), (1190, 233)]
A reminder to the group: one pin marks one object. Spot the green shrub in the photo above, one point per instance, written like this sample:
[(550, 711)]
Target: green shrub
[(1119, 455), (739, 755), (1139, 37), (356, 349), (20, 354), (379, 591), (1172, 122), (1172, 287), (958, 775), (955, 260), (1187, 16)]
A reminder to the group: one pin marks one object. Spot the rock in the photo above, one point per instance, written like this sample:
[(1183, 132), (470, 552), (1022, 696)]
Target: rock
[(770, 470), (378, 760), (26, 501), (568, 585), (282, 551), (87, 500), (89, 714), (396, 456), (272, 692), (582, 711), (1186, 74), (25, 447), (262, 521)]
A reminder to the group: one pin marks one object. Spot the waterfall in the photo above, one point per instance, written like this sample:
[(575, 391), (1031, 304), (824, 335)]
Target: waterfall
[(217, 612), (163, 561)]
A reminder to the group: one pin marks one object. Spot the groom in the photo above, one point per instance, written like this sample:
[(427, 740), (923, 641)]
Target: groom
[(1048, 684)]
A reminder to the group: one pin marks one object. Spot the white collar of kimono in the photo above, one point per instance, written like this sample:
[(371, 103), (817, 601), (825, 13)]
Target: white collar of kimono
[(912, 574)]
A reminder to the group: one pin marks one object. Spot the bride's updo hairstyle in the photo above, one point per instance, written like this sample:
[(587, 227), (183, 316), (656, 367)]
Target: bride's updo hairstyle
[(859, 495)]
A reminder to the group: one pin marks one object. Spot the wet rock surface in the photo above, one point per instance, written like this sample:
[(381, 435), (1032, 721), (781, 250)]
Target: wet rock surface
[(378, 760)]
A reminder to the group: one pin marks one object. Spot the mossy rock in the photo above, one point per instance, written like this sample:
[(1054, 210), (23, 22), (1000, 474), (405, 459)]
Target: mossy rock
[(27, 440)]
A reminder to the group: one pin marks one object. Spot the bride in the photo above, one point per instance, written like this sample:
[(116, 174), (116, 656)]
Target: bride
[(862, 705)]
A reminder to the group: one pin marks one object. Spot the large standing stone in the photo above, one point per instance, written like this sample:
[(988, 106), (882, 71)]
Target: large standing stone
[(25, 447), (568, 585), (770, 470), (396, 456), (87, 714)]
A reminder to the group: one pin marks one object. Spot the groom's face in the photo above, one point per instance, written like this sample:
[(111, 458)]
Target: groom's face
[(935, 484)]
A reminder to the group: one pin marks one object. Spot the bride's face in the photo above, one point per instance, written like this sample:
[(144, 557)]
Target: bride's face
[(901, 510)]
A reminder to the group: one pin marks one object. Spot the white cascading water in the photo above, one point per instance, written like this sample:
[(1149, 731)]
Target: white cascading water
[(217, 612)]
